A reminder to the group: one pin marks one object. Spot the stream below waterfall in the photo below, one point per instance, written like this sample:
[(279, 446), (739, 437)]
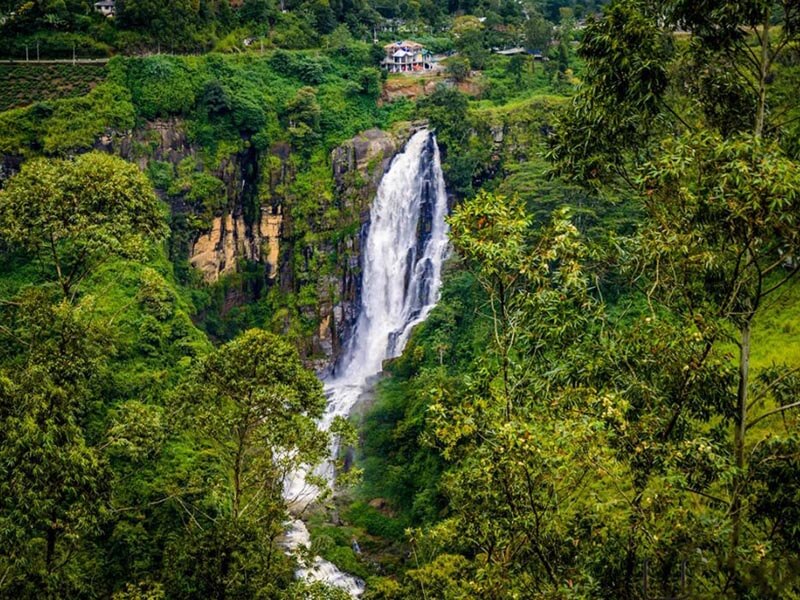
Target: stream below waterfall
[(402, 258)]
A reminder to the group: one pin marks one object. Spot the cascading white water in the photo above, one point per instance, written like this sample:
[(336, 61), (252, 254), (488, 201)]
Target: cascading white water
[(402, 262)]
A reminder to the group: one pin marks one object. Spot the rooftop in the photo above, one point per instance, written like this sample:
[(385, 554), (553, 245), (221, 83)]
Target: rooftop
[(403, 44)]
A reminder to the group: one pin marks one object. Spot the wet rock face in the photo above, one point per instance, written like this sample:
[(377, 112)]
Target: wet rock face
[(164, 140), (368, 153)]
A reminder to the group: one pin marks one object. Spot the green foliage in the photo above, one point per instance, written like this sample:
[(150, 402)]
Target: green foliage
[(255, 406), (147, 26), (775, 335), (620, 104), (66, 125), (446, 110), (458, 68), (202, 190), (161, 86), (397, 466), (160, 173), (538, 32), (375, 523), (571, 419), (76, 214), (711, 249), (53, 44), (57, 491), (471, 41)]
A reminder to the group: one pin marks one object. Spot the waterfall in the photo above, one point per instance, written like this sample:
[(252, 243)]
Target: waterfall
[(402, 256)]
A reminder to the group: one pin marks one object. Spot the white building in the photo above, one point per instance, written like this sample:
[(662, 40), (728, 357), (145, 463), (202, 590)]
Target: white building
[(406, 56), (107, 8)]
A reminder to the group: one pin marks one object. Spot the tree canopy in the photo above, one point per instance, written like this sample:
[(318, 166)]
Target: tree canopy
[(76, 214)]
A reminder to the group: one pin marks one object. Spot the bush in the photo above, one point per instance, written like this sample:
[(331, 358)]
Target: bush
[(437, 45), (458, 68), (248, 111), (76, 123), (347, 561), (309, 70), (376, 523), (162, 86), (160, 173), (68, 125), (294, 32), (369, 80)]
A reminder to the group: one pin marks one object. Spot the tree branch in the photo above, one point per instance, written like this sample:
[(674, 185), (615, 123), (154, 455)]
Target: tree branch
[(769, 413)]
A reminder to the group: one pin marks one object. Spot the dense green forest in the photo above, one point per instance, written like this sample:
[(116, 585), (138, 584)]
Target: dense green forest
[(603, 404), (55, 27)]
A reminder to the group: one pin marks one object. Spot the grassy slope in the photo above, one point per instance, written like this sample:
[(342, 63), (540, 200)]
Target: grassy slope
[(776, 333)]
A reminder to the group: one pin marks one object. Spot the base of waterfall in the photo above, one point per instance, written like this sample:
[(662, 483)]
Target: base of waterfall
[(343, 396), (297, 542)]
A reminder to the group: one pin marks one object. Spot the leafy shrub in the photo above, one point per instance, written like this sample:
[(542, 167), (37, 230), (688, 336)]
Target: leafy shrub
[(68, 125), (309, 70), (376, 523), (160, 173), (215, 98), (155, 296), (53, 44), (201, 189), (347, 561), (369, 80), (161, 86), (248, 111), (437, 45), (292, 31), (76, 123)]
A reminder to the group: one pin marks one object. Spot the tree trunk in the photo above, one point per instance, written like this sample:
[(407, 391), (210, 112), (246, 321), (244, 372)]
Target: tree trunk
[(763, 75), (50, 552), (739, 442)]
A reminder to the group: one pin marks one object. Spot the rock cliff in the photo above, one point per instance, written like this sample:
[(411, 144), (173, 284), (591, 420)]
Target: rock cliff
[(256, 222), (234, 230), (238, 210)]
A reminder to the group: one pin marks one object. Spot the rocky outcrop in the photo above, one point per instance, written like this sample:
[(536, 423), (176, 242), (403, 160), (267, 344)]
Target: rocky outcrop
[(231, 239), (257, 223), (368, 154), (414, 87), (235, 231)]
